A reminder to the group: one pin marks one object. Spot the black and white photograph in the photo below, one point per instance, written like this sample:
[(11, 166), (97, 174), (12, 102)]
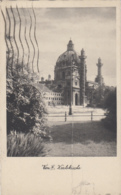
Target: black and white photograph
[(60, 98), (61, 81)]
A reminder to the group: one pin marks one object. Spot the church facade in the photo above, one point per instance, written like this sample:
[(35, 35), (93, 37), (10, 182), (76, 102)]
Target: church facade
[(70, 77)]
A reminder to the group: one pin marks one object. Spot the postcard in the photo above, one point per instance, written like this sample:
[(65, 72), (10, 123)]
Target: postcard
[(60, 97)]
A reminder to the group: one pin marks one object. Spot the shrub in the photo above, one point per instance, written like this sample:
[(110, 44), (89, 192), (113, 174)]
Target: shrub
[(110, 106), (20, 144), (25, 109)]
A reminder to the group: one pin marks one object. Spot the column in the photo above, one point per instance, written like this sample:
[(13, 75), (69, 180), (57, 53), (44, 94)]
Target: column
[(82, 77)]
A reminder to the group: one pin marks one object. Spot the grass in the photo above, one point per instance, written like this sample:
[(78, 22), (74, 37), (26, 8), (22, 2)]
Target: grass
[(69, 139), (81, 132), (81, 139)]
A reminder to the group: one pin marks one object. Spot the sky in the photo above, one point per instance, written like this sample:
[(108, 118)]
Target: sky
[(93, 29)]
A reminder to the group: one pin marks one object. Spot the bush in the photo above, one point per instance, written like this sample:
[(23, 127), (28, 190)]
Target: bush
[(110, 105), (25, 109), (20, 144)]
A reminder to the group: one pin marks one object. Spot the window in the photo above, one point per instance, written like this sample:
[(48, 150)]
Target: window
[(76, 83)]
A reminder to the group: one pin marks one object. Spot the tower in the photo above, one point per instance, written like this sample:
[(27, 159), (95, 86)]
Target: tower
[(99, 78), (82, 77)]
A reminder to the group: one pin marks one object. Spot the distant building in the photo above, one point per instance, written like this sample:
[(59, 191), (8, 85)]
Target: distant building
[(70, 78), (50, 97)]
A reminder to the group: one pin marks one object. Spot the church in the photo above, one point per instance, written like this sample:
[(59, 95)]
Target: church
[(70, 77)]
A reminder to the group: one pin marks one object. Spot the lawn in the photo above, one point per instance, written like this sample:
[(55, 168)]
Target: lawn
[(81, 139)]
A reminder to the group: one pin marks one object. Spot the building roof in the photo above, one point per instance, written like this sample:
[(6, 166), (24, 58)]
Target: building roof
[(68, 55), (42, 87)]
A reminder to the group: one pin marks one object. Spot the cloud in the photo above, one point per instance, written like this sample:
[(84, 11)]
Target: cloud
[(82, 13)]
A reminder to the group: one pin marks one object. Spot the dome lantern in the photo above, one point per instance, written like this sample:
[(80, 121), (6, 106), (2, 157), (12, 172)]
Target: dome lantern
[(70, 46)]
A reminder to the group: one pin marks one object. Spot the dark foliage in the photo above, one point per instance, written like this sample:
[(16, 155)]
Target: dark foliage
[(97, 96), (26, 111), (25, 108), (111, 111), (20, 144)]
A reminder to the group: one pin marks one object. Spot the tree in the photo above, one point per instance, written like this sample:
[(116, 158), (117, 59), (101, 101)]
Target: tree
[(111, 111), (25, 107)]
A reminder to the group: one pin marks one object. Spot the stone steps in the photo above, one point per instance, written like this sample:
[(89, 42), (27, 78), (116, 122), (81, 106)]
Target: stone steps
[(60, 110)]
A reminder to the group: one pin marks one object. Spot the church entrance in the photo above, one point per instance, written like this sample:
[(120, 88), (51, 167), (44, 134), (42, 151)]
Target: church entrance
[(76, 99)]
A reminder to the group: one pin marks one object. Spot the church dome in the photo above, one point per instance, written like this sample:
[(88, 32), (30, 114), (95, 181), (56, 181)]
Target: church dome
[(68, 56)]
